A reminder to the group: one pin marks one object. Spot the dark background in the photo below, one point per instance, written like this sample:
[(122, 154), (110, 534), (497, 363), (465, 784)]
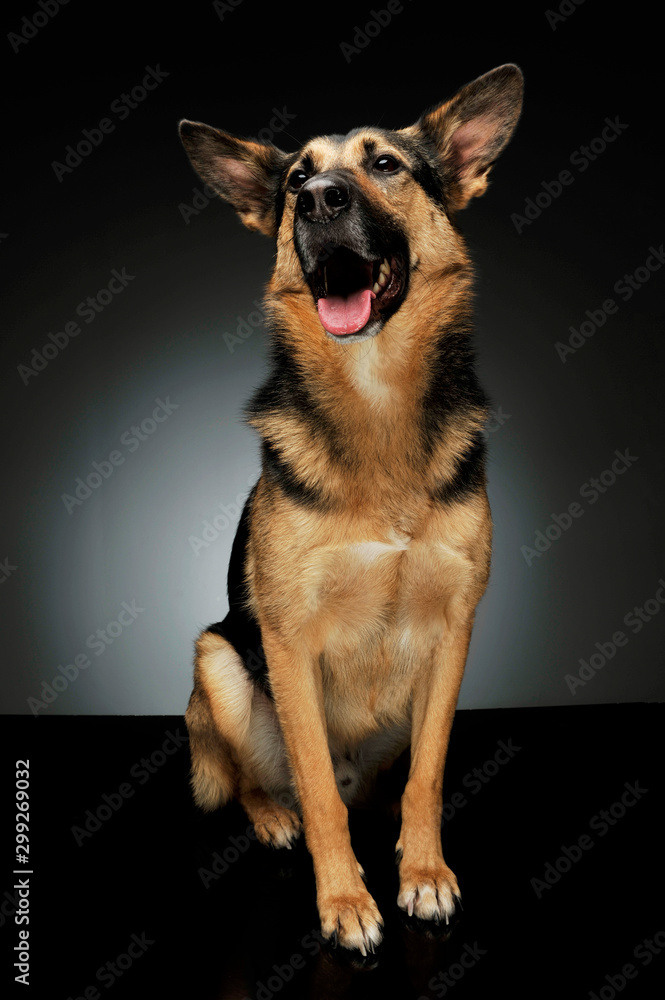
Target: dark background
[(167, 335), (103, 873)]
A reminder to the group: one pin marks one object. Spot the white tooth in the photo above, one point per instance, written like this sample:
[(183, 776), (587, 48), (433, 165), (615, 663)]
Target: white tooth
[(385, 268), (377, 288), (382, 278), (325, 278)]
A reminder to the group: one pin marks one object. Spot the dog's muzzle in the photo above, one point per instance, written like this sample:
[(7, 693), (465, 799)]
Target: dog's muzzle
[(353, 260)]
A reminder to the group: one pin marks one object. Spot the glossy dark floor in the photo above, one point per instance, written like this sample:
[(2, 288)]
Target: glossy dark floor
[(553, 827)]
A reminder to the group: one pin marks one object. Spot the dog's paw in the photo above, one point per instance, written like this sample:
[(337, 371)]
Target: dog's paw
[(352, 921), (276, 826), (429, 892)]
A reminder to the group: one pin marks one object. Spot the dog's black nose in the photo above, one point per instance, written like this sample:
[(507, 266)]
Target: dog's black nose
[(323, 197)]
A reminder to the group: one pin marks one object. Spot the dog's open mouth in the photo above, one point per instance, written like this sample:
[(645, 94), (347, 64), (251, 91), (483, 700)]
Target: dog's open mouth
[(350, 291)]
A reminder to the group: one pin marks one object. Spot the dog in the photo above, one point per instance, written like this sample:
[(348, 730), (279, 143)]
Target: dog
[(364, 547)]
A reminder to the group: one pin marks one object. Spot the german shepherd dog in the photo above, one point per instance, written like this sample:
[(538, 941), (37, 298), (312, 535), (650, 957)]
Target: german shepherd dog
[(364, 547)]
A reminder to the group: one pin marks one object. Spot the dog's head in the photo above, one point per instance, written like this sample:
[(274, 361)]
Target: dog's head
[(364, 221)]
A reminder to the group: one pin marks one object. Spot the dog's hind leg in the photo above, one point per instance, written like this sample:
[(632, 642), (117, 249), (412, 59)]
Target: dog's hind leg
[(236, 744), (275, 824), (214, 773)]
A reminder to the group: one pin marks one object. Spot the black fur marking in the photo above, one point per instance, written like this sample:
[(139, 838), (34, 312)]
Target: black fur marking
[(280, 472), (430, 181), (453, 385), (469, 476), (424, 167), (420, 155), (240, 628), (286, 391), (421, 158), (308, 164), (280, 196), (370, 148)]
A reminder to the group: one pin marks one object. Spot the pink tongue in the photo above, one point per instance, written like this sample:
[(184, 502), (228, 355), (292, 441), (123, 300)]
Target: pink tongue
[(341, 315)]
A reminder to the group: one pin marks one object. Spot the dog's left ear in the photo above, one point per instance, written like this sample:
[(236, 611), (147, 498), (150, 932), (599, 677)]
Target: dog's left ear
[(241, 171), (470, 130)]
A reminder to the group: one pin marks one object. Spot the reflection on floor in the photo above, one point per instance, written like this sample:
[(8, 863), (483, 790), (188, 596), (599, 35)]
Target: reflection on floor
[(552, 824)]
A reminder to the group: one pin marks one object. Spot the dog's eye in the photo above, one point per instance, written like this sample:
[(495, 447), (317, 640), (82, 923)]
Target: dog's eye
[(386, 164), (297, 179)]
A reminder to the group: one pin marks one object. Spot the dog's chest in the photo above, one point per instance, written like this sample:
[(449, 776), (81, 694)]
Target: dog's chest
[(372, 581), (380, 606)]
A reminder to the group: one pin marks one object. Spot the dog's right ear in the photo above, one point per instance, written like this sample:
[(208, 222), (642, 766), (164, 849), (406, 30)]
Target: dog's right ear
[(241, 171)]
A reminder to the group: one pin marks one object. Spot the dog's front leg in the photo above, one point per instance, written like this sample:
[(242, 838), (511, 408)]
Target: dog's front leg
[(349, 915), (427, 886)]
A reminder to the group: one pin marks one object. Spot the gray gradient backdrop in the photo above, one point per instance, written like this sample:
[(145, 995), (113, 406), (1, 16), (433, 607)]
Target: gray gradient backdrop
[(168, 335)]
